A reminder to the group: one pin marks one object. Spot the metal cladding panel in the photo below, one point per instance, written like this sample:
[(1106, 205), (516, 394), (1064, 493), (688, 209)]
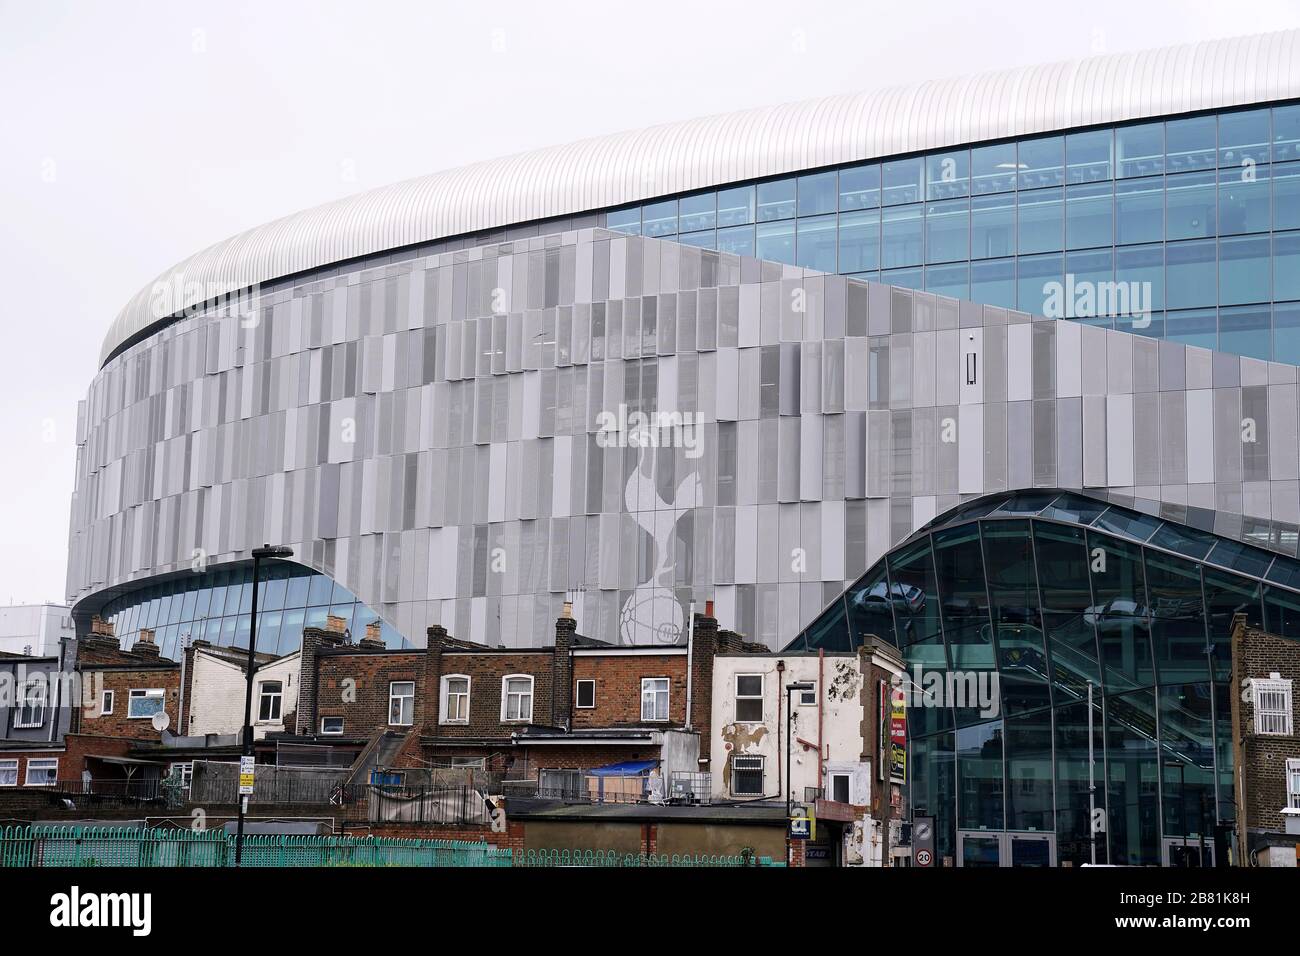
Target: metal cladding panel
[(629, 167)]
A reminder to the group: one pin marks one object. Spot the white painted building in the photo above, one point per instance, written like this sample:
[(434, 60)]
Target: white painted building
[(35, 629), (217, 690)]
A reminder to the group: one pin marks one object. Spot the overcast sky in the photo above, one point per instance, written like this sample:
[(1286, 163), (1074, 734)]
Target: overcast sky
[(136, 133)]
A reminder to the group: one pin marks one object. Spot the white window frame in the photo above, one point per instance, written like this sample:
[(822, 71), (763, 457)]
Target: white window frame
[(106, 701), (507, 694), (577, 694), (808, 698), (654, 693), (1293, 782), (762, 774), (394, 696), (761, 697), (445, 705), (331, 733), (35, 704), (44, 761), (1273, 711), (145, 693), (187, 773), (277, 698), (7, 765), (830, 784)]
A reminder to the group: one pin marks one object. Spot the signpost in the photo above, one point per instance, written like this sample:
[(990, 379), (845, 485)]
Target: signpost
[(923, 841), (246, 775)]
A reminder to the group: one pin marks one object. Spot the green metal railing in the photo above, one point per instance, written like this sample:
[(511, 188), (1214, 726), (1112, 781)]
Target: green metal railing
[(43, 846), (613, 858)]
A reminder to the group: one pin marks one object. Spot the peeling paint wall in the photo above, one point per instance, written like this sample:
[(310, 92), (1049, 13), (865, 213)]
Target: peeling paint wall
[(842, 717)]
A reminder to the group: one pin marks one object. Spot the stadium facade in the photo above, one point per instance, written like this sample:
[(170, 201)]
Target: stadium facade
[(908, 363)]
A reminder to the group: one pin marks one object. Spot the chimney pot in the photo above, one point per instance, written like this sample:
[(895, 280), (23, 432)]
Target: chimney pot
[(335, 624), (708, 608)]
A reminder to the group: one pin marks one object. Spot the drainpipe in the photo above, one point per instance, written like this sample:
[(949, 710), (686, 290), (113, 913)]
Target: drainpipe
[(821, 695), (690, 657), (780, 692)]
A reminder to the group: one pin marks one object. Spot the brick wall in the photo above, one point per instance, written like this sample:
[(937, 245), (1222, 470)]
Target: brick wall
[(1261, 784), (618, 687), (353, 683), (121, 681), (486, 670)]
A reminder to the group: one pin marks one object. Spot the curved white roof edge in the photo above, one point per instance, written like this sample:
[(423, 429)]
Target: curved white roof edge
[(662, 160)]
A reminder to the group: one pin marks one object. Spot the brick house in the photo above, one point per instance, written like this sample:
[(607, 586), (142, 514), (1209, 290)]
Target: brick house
[(131, 686), (1266, 745)]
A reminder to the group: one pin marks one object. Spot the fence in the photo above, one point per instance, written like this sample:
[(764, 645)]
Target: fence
[(612, 858), (216, 784)]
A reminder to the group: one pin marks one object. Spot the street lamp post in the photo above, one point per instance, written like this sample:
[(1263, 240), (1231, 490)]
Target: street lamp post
[(264, 553)]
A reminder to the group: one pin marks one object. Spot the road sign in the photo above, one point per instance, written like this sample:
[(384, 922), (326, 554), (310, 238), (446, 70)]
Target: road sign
[(924, 858), (923, 840), (245, 776), (800, 828)]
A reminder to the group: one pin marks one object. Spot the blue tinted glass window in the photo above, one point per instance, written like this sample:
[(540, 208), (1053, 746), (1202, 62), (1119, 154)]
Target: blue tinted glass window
[(1039, 221), (322, 588), (859, 241), (818, 193), (1089, 215), (1034, 274), (859, 188), (1244, 200), (1286, 265), (1088, 156), (1243, 138), (1139, 210), (187, 610), (1144, 265), (993, 168), (776, 241), (950, 280), (816, 243), (993, 226), (297, 593), (776, 200), (738, 240), (947, 230), (947, 175), (1041, 162), (904, 278), (736, 206), (1190, 274), (1188, 541), (902, 238), (1090, 270), (1140, 150), (1191, 201), (290, 632), (1191, 144), (272, 596), (659, 218), (624, 220), (1244, 270), (1246, 330), (901, 181), (1286, 133), (234, 596), (1199, 327), (1286, 333), (993, 282), (870, 607), (1283, 612), (700, 240), (1132, 524), (697, 212), (1286, 196), (202, 597)]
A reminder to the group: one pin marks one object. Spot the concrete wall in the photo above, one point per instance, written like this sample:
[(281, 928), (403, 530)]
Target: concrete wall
[(216, 705), (34, 629), (842, 716)]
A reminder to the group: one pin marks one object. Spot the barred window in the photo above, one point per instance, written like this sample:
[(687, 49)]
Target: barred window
[(746, 776), (1272, 706), (1293, 783)]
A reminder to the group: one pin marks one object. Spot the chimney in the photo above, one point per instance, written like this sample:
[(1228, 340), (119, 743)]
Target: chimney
[(335, 624), (705, 649), (566, 629), (145, 645), (313, 639), (101, 634), (436, 636), (373, 640)]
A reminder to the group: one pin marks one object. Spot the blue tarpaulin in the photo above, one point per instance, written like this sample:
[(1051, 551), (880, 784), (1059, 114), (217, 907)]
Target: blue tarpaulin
[(628, 768)]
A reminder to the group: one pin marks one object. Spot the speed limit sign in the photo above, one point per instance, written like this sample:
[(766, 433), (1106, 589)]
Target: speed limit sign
[(923, 858)]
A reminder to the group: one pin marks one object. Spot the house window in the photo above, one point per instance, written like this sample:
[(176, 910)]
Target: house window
[(270, 696), (106, 703), (808, 698), (401, 703), (586, 695), (839, 789), (749, 698), (331, 726), (43, 772), (144, 703), (186, 771), (1292, 782), (1272, 706), (8, 773), (31, 704), (746, 776), (654, 698), (471, 763), (517, 697), (455, 699)]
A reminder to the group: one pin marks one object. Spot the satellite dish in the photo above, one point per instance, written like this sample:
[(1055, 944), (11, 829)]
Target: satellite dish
[(160, 721)]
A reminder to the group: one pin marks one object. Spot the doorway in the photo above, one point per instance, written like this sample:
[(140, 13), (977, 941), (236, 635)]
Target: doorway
[(994, 848)]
